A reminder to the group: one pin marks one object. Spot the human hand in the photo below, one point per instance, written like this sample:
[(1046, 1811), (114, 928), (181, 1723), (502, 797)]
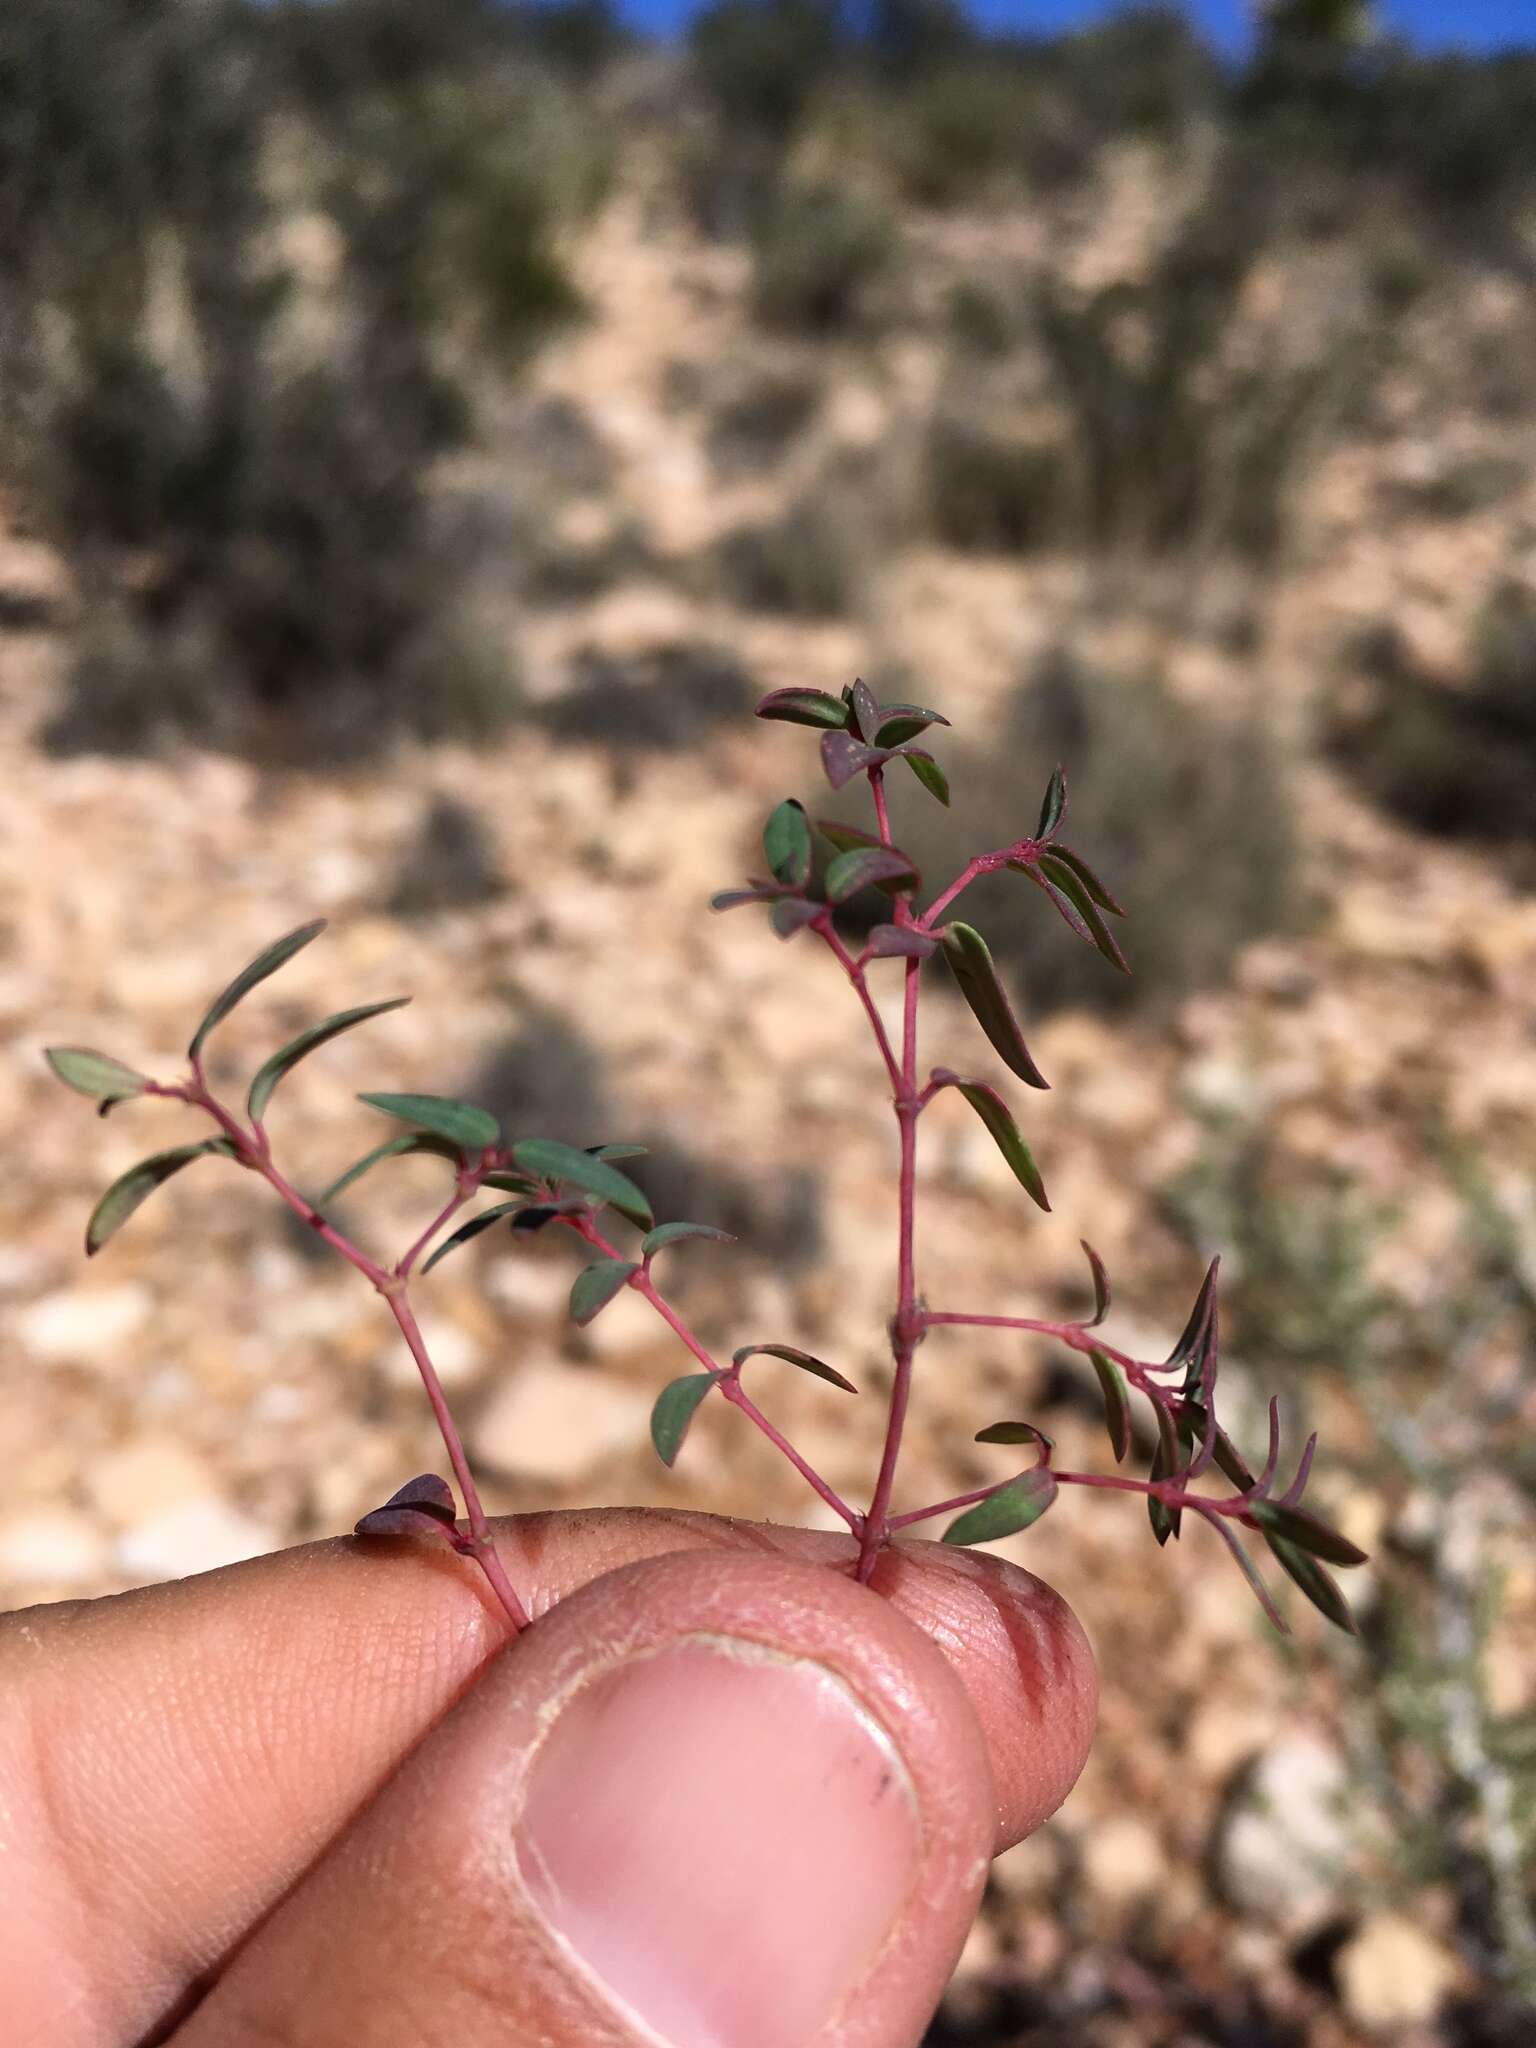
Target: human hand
[(720, 1796)]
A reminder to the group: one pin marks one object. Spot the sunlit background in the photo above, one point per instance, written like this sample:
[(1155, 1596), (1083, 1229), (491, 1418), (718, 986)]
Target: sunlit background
[(425, 431)]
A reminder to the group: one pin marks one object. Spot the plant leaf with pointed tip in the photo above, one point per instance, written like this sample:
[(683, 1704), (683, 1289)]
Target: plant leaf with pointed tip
[(848, 873), (900, 941), (1193, 1333), (95, 1074), (510, 1183), (816, 1366), (1305, 1532), (1013, 1507), (461, 1123), (675, 1408), (392, 1148), (732, 899), (674, 1233), (846, 837), (1061, 877), (527, 1221), (792, 914), (139, 1182), (281, 1063), (596, 1285), (617, 1151), (1058, 902), (787, 844), (1117, 1403), (1005, 1134), (1228, 1457), (970, 962), (552, 1161), (903, 722), (804, 707), (1165, 1463), (1101, 1295), (1054, 808), (865, 710), (472, 1229), (1089, 879), (1319, 1586), (276, 955), (1014, 1433), (843, 756), (928, 772), (423, 1507)]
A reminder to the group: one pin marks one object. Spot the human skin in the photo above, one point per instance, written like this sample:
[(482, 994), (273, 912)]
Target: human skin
[(719, 1796)]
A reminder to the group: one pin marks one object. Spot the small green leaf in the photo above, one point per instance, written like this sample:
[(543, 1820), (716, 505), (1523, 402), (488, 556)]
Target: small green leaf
[(1054, 808), (1014, 1433), (617, 1151), (674, 1410), (510, 1183), (903, 722), (461, 1123), (995, 1114), (733, 899), (1117, 1403), (866, 711), (1089, 879), (1192, 1336), (470, 1230), (1319, 1586), (1101, 1295), (846, 837), (970, 961), (803, 1359), (1165, 1463), (674, 1233), (804, 707), (1013, 1507), (1304, 1532), (277, 955), (848, 873), (392, 1148), (928, 773), (552, 1161), (268, 1076), (1069, 883), (787, 844), (95, 1074), (139, 1182), (900, 942), (596, 1285)]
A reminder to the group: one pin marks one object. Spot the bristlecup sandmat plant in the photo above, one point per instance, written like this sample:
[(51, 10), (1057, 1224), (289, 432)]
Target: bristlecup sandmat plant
[(544, 1183)]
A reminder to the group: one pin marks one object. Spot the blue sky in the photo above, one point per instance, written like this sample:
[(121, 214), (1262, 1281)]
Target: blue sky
[(1463, 24)]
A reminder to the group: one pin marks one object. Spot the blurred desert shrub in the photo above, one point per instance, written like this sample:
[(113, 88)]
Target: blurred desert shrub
[(1457, 760), (818, 250), (1185, 814), (991, 488), (659, 699), (450, 865), (239, 249), (761, 417), (807, 562)]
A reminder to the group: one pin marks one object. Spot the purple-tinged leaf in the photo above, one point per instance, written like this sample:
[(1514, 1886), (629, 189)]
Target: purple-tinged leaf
[(422, 1507), (276, 955), (865, 710), (472, 1229), (1248, 1568), (1318, 1585), (1101, 1295), (1192, 1336), (1059, 902), (1298, 1486), (675, 1408), (848, 873), (139, 1183), (1228, 1457), (1003, 1513), (1117, 1402), (392, 1148), (843, 756), (1089, 879), (596, 1285), (461, 1123), (1054, 808), (927, 771), (732, 899), (1068, 883), (528, 1222), (674, 1233), (846, 837), (510, 1183), (970, 961), (568, 1165), (95, 1074), (281, 1063), (1305, 1532), (804, 707), (1166, 1463), (787, 844), (1004, 1132), (900, 942), (1015, 1433), (792, 914), (903, 722), (815, 1366)]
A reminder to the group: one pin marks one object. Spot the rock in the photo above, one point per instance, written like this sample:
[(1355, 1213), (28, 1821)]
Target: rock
[(1392, 1974), (148, 1474), (1283, 1845), (83, 1323), (194, 1536), (556, 1423), (50, 1547)]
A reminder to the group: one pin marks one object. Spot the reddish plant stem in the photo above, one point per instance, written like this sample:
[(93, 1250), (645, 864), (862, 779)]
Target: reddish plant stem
[(940, 904), (855, 974), (1077, 1335), (465, 1187), (733, 1391)]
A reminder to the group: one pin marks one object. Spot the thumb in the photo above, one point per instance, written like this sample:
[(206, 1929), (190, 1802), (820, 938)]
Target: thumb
[(708, 1801)]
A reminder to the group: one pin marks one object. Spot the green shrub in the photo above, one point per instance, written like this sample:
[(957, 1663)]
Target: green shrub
[(989, 491), (761, 419), (761, 62), (806, 564), (658, 700), (817, 252)]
